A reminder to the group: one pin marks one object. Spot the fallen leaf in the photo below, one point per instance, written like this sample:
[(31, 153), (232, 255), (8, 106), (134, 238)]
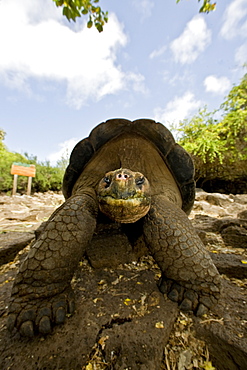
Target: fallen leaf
[(183, 322), (159, 325), (95, 300), (208, 366), (127, 301), (115, 282), (103, 340), (143, 299)]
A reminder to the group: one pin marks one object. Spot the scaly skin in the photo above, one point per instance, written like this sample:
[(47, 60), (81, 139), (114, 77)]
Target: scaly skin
[(189, 275), (42, 295)]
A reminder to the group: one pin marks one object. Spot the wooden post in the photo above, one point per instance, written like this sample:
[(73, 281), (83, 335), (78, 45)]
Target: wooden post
[(29, 185), (23, 169), (15, 184)]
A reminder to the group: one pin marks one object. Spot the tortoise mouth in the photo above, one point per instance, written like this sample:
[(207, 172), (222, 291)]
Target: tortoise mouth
[(124, 195), (124, 210)]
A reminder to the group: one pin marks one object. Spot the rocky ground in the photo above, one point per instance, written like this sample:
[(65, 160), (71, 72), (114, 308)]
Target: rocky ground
[(122, 321)]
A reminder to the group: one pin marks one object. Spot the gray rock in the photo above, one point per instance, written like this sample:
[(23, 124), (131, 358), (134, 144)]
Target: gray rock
[(11, 243), (233, 231), (230, 264), (243, 215), (224, 223), (110, 247), (235, 236), (226, 333)]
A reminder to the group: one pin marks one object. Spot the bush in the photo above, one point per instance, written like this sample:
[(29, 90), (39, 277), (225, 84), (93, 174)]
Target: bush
[(219, 146), (47, 177)]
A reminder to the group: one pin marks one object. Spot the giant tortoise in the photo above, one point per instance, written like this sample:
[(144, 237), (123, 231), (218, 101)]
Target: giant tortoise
[(132, 173)]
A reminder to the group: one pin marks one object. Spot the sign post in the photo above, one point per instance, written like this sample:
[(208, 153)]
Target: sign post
[(23, 169)]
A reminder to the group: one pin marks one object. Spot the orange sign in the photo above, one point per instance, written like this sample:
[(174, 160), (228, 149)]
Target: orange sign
[(23, 169)]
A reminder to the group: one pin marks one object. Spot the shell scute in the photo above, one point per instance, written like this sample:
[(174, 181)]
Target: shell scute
[(81, 154), (156, 133), (106, 131)]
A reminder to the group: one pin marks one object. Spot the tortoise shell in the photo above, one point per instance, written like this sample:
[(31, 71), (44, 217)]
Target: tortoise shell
[(174, 156)]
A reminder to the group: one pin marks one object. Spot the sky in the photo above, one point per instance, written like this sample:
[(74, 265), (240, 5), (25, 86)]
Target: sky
[(154, 59)]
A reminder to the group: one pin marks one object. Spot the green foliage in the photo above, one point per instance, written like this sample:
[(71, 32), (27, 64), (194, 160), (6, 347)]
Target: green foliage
[(219, 146), (47, 177), (201, 137), (6, 160), (234, 123), (63, 162), (2, 135), (73, 9), (206, 7), (76, 8)]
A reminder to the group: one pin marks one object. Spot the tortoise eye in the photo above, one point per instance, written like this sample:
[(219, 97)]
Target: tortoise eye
[(140, 181), (107, 181)]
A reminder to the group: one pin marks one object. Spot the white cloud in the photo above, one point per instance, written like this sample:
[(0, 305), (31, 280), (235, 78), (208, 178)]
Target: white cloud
[(217, 85), (38, 43), (64, 152), (177, 109), (193, 41), (144, 8), (241, 55), (182, 78), (158, 52), (235, 22)]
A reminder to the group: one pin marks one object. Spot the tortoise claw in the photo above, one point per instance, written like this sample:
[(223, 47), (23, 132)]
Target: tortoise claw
[(186, 305), (45, 325), (188, 299), (60, 315), (40, 315), (26, 329), (202, 310), (11, 322)]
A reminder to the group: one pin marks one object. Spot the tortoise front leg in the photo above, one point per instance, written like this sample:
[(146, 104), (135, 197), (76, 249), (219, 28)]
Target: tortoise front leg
[(42, 293), (189, 276)]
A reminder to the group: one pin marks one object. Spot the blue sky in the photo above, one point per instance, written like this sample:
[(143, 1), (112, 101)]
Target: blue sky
[(154, 59)]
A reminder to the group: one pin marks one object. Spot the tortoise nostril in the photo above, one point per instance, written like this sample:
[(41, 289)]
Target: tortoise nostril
[(122, 176)]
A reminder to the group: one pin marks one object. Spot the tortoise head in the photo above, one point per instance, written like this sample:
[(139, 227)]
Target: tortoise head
[(124, 195)]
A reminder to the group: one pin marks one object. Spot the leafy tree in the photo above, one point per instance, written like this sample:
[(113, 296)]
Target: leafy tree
[(234, 123), (77, 8), (2, 135), (219, 146), (206, 7), (200, 138), (6, 160), (97, 17), (47, 177), (63, 162)]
